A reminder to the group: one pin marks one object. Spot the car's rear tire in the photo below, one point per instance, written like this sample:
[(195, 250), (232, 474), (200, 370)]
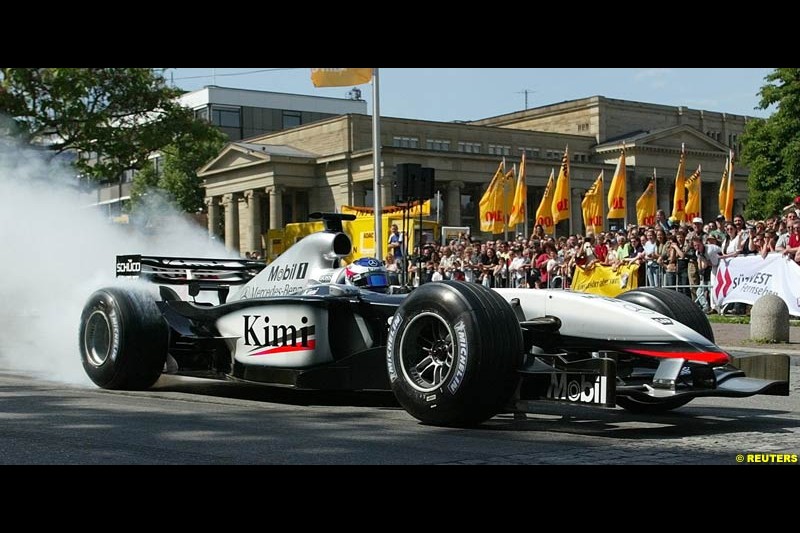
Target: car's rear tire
[(453, 352), (123, 339), (673, 304)]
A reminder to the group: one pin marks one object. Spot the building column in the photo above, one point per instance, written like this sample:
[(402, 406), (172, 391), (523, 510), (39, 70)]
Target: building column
[(212, 208), (346, 194), (453, 207), (275, 207), (576, 211), (664, 197), (359, 195), (231, 204), (253, 199)]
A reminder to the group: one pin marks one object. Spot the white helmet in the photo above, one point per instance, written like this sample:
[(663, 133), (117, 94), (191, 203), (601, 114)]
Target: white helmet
[(367, 273)]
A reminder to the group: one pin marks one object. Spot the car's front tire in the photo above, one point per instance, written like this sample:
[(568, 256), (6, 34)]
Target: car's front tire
[(673, 304), (453, 352), (123, 339), (680, 308)]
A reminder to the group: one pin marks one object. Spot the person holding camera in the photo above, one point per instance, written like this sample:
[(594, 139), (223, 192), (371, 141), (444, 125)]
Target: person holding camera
[(489, 261), (672, 254)]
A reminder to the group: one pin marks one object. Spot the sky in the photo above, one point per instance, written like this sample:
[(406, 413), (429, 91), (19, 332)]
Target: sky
[(448, 94)]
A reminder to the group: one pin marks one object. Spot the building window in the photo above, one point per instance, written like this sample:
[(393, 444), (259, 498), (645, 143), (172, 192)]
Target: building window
[(583, 127), (530, 152), (580, 158), (469, 148), (499, 149), (201, 114), (554, 154), (292, 119), (405, 142), (437, 144), (226, 117)]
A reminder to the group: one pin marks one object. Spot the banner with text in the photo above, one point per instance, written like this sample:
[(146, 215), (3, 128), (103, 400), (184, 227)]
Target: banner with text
[(606, 281), (746, 279)]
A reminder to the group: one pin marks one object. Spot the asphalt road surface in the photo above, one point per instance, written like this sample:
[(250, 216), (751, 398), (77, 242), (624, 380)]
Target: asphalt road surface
[(190, 421)]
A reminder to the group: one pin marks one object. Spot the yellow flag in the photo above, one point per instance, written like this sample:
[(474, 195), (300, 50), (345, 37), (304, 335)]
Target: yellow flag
[(617, 192), (340, 77), (491, 204), (519, 207), (679, 198), (508, 195), (722, 197), (592, 206), (646, 206), (560, 205), (693, 208), (731, 190), (544, 215)]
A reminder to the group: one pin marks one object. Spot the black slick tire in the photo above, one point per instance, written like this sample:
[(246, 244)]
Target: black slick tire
[(123, 339), (673, 304), (453, 352), (680, 308)]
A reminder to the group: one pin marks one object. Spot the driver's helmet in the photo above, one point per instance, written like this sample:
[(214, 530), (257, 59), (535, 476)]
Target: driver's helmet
[(367, 273)]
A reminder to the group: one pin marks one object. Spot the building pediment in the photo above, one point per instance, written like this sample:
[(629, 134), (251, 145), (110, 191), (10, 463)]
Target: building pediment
[(665, 140), (233, 156), (242, 154)]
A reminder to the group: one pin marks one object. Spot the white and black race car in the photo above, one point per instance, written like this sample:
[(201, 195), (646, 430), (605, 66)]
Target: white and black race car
[(453, 353)]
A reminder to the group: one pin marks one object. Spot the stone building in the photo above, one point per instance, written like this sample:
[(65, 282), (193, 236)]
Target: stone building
[(269, 180), (239, 113)]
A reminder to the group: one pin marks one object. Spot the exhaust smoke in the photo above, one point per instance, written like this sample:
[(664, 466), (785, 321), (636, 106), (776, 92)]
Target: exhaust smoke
[(56, 249)]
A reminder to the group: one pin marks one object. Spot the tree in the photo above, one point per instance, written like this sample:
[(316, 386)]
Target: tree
[(178, 176), (121, 115), (771, 147)]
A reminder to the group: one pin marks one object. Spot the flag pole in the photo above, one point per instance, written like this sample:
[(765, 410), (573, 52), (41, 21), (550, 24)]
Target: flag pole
[(700, 188), (555, 238), (376, 165), (525, 206), (506, 214), (655, 186), (505, 204), (625, 199)]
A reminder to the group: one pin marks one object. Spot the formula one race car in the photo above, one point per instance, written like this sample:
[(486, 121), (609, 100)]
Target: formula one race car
[(453, 353)]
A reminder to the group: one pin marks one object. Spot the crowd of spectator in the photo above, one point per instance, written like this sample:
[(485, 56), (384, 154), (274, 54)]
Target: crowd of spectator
[(683, 256)]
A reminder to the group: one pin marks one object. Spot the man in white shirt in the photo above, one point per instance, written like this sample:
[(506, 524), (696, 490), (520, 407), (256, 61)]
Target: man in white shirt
[(711, 254)]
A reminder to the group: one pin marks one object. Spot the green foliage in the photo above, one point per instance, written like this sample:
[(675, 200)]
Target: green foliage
[(771, 147), (180, 161), (729, 319), (120, 114)]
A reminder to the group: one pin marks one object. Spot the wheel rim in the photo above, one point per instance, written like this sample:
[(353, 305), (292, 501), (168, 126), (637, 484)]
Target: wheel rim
[(426, 352), (97, 338)]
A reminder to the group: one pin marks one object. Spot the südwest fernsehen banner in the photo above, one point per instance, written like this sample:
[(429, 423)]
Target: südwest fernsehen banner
[(746, 279)]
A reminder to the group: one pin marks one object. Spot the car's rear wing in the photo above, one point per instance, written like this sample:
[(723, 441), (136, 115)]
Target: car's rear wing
[(201, 274)]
